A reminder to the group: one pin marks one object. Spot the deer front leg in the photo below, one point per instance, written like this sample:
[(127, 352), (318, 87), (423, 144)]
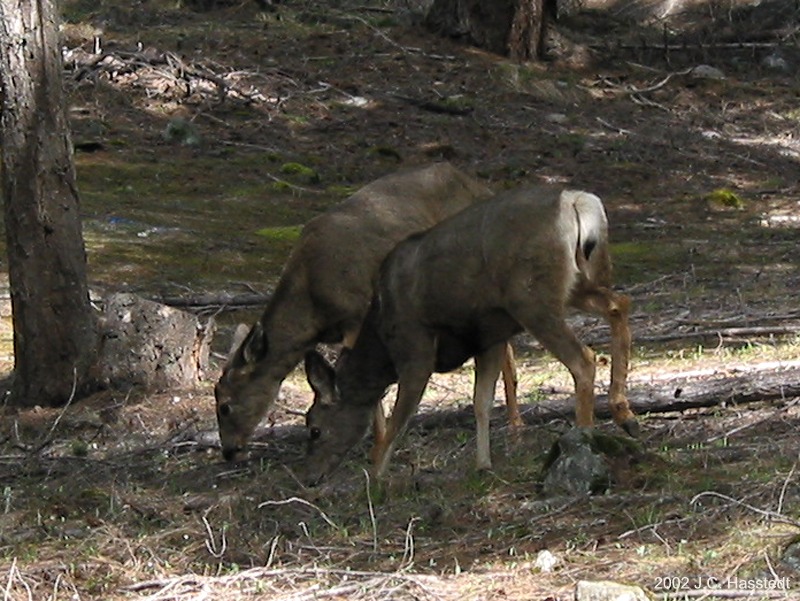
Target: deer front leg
[(379, 424), (410, 388), (487, 368)]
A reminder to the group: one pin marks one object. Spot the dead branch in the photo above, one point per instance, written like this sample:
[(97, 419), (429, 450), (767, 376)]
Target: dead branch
[(215, 302), (681, 392), (723, 333), (165, 73)]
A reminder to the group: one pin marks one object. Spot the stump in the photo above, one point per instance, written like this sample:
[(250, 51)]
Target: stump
[(149, 345)]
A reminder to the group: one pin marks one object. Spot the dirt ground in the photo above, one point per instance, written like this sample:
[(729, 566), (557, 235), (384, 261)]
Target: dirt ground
[(206, 138)]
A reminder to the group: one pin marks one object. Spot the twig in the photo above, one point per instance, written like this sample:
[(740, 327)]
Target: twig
[(48, 437), (747, 426), (211, 544), (772, 515), (660, 84), (786, 481), (283, 182), (372, 520), (324, 516), (614, 128), (408, 547)]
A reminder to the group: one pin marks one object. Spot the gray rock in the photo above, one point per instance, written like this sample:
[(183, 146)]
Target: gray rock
[(574, 468), (707, 72), (605, 590)]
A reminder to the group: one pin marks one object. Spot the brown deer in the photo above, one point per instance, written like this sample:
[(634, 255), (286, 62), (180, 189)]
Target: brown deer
[(461, 290), (326, 286)]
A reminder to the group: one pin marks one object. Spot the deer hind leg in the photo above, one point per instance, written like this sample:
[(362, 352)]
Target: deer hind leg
[(487, 367), (557, 337), (615, 308), (510, 382)]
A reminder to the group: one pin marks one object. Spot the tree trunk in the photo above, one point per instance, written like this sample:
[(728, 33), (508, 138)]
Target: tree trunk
[(55, 336), (515, 28)]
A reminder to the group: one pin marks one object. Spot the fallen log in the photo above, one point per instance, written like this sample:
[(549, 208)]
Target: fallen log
[(149, 345), (765, 382)]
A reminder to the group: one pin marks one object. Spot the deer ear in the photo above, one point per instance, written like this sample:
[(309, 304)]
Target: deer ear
[(238, 338), (254, 347), (321, 377)]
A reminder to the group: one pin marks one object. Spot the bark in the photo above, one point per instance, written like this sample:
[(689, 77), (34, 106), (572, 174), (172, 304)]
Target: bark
[(515, 28), (55, 338)]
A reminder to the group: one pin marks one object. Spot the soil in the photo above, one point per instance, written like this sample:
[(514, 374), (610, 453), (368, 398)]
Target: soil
[(206, 138)]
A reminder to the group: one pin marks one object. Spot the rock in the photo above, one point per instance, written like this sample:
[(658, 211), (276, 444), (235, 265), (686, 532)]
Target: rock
[(574, 467), (605, 590), (557, 118), (775, 62), (545, 561), (707, 72), (791, 555)]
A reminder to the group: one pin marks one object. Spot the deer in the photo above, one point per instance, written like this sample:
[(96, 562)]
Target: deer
[(462, 289), (325, 289)]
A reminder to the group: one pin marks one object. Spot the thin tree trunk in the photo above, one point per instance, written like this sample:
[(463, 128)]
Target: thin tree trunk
[(526, 37), (55, 335), (515, 28)]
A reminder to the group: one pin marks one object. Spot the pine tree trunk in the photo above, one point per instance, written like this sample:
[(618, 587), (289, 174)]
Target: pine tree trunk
[(55, 336), (514, 28)]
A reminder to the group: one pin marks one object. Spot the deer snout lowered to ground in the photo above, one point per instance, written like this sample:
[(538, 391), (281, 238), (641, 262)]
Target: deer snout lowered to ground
[(326, 286), (461, 290)]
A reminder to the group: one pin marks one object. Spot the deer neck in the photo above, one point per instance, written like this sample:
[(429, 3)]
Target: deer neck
[(368, 369)]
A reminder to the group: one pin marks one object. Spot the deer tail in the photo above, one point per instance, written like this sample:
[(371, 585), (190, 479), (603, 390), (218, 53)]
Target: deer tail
[(592, 223)]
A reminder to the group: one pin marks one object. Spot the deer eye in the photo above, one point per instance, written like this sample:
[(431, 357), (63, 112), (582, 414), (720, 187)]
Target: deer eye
[(314, 433), (224, 410)]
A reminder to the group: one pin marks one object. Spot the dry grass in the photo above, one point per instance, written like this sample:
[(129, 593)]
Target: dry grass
[(140, 506)]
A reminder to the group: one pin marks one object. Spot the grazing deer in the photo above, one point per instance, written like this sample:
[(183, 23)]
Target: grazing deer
[(326, 286), (461, 290)]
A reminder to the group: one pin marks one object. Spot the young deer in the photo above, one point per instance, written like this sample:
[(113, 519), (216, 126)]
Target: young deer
[(326, 286), (461, 290)]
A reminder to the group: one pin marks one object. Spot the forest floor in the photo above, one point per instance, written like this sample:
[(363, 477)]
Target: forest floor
[(204, 140)]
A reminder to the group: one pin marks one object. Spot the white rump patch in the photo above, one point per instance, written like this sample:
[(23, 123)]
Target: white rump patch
[(592, 218)]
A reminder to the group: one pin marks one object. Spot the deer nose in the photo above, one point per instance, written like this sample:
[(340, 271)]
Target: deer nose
[(233, 454)]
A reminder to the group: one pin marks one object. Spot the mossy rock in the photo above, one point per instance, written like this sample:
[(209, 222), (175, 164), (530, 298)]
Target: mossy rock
[(300, 172), (724, 198), (591, 462), (288, 233)]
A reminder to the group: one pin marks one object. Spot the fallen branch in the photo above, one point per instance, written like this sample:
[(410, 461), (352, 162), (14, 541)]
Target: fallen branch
[(218, 302), (677, 394), (723, 333)]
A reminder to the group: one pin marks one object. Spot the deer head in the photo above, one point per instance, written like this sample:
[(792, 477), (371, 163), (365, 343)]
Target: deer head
[(242, 393), (333, 427)]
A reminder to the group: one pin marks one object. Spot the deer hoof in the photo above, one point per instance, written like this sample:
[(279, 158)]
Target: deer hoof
[(631, 427)]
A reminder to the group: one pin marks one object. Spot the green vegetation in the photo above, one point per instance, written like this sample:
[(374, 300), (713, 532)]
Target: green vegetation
[(725, 198)]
